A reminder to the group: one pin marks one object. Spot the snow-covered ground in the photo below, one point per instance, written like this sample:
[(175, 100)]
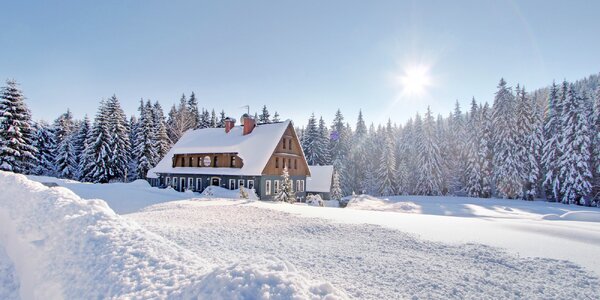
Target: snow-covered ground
[(407, 247)]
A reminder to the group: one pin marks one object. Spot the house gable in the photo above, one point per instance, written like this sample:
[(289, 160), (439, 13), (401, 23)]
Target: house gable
[(287, 153)]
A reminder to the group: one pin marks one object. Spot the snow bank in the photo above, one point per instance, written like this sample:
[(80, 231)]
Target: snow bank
[(219, 192), (584, 216), (60, 246), (314, 200), (366, 202)]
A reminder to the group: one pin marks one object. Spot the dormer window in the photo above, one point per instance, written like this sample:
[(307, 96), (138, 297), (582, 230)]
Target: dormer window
[(215, 161), (191, 161), (233, 161)]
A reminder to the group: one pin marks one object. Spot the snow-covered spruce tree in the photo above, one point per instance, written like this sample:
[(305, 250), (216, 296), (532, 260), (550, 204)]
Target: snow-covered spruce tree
[(442, 128), (506, 158), (133, 139), (222, 118), (574, 161), (80, 139), (386, 170), (145, 152), (357, 159), (179, 120), (429, 180), (204, 119), (325, 155), (66, 164), (529, 143), (485, 152), (276, 117), (17, 153), (311, 142), (119, 140), (264, 117), (97, 155), (595, 139), (193, 112), (474, 183), (163, 144), (286, 190), (457, 152), (43, 141), (336, 189), (63, 126), (369, 185), (551, 147), (213, 119)]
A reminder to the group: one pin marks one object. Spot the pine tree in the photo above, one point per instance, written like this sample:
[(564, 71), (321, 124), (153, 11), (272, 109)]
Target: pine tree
[(311, 142), (162, 142), (97, 155), (222, 118), (205, 119), (145, 151), (119, 140), (286, 190), (595, 140), (485, 152), (457, 146), (276, 118), (574, 161), (474, 161), (506, 159), (264, 117), (66, 164), (213, 119), (551, 148), (386, 171), (17, 152), (325, 156), (430, 176), (80, 139), (44, 142), (193, 112), (336, 189), (132, 174), (529, 144), (357, 158)]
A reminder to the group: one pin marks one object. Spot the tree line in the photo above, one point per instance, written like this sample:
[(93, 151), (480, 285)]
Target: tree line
[(540, 145)]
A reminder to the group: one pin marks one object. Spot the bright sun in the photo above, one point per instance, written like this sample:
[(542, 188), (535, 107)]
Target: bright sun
[(415, 80)]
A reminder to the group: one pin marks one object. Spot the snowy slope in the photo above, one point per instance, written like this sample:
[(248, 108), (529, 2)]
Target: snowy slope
[(55, 245)]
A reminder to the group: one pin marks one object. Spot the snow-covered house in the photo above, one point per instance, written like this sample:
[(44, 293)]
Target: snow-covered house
[(319, 182), (249, 155)]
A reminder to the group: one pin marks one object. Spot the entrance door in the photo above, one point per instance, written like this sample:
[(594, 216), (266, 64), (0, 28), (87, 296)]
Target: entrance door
[(215, 181), (182, 185)]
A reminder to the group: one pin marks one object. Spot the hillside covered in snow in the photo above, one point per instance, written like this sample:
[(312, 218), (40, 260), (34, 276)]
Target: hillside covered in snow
[(54, 244)]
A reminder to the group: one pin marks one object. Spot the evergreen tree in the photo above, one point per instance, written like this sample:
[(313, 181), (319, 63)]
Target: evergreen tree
[(66, 164), (264, 117), (474, 161), (145, 151), (311, 142), (286, 190), (575, 158), (336, 189), (386, 171), (222, 118), (213, 119), (506, 159), (595, 139), (276, 118), (193, 112), (325, 156), (80, 139), (430, 176), (120, 146), (97, 155), (17, 152), (133, 138), (162, 142), (205, 119), (44, 142), (457, 163), (63, 126), (529, 144), (485, 152), (551, 148), (358, 164)]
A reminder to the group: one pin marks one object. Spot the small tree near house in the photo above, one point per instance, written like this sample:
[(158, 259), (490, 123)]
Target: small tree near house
[(286, 192), (243, 193)]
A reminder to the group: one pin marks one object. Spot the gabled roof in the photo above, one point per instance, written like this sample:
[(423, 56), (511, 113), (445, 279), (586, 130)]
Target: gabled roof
[(320, 179), (254, 149)]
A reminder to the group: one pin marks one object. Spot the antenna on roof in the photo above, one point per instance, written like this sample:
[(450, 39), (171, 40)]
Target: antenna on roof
[(247, 107)]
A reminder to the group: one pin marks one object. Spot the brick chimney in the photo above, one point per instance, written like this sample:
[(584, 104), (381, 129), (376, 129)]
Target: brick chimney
[(249, 123), (229, 123)]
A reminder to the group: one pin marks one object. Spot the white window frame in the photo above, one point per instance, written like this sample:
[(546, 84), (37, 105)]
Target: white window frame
[(168, 181), (267, 187), (276, 186), (241, 183), (175, 182), (190, 183), (232, 184), (298, 185), (302, 185), (181, 183), (198, 184), (250, 182)]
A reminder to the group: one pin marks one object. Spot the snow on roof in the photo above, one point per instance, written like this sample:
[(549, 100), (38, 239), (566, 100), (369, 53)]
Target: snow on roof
[(320, 179), (254, 149)]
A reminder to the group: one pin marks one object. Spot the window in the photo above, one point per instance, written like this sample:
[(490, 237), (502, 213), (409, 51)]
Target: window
[(276, 162), (199, 162), (240, 182), (290, 144), (215, 161), (190, 183), (267, 187), (191, 162), (232, 184), (296, 164), (182, 186), (276, 186), (250, 184), (175, 182), (183, 161), (289, 163), (233, 161), (198, 184), (283, 142), (300, 185), (168, 181)]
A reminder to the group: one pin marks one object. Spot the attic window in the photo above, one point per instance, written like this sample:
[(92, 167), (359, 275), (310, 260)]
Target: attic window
[(276, 162), (283, 140), (290, 144), (215, 161), (233, 161), (191, 161), (183, 161), (295, 164)]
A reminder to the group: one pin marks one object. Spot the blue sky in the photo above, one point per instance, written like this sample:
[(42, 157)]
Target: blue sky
[(297, 57)]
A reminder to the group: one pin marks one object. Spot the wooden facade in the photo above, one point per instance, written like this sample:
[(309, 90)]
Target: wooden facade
[(208, 160), (288, 153)]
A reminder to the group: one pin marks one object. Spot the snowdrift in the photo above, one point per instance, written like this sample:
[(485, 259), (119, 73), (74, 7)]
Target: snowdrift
[(55, 245), (582, 216), (366, 202), (223, 193)]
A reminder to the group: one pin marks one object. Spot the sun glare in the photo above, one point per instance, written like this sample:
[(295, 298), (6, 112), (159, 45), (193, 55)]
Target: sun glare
[(415, 80)]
